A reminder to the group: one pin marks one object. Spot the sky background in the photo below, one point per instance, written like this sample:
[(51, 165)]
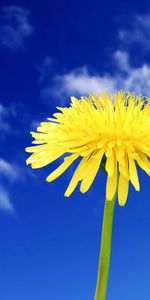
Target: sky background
[(49, 244)]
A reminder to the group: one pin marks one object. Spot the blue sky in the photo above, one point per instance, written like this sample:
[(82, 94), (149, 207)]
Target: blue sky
[(49, 244)]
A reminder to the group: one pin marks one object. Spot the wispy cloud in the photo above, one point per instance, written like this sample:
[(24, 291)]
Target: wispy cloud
[(81, 82), (138, 32), (34, 124), (10, 172), (45, 69), (15, 27), (4, 125), (123, 74), (138, 80), (77, 82), (130, 78), (5, 201), (121, 60), (7, 113), (46, 76)]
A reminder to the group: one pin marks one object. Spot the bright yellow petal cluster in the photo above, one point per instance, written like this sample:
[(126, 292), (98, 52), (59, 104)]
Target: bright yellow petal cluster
[(115, 128)]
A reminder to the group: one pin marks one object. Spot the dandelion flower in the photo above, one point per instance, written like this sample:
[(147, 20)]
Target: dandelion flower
[(112, 129), (111, 132)]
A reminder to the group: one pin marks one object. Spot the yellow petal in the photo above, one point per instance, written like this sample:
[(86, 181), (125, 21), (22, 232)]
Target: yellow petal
[(123, 167), (61, 169), (123, 186), (110, 164), (133, 174), (144, 163), (33, 157), (35, 148), (77, 176), (92, 169), (45, 160), (111, 184)]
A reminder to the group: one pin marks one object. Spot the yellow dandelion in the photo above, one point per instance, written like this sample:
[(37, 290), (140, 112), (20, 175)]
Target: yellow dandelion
[(113, 129), (111, 132)]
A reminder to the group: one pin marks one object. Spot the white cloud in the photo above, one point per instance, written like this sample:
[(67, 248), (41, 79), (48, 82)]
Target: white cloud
[(122, 60), (80, 82), (138, 32), (77, 82), (7, 114), (4, 125), (138, 80), (129, 78), (5, 202), (45, 69), (2, 109), (122, 75), (15, 27), (8, 170), (11, 173)]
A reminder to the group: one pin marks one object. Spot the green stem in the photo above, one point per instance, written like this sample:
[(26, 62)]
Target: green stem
[(104, 261)]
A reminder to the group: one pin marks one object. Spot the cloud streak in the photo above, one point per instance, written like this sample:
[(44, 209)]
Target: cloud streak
[(138, 32), (5, 202), (7, 114), (15, 27), (81, 82), (77, 82), (122, 75), (4, 125), (6, 171), (11, 173)]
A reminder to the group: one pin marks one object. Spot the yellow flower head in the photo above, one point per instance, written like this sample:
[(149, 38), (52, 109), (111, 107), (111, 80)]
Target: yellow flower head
[(110, 131)]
